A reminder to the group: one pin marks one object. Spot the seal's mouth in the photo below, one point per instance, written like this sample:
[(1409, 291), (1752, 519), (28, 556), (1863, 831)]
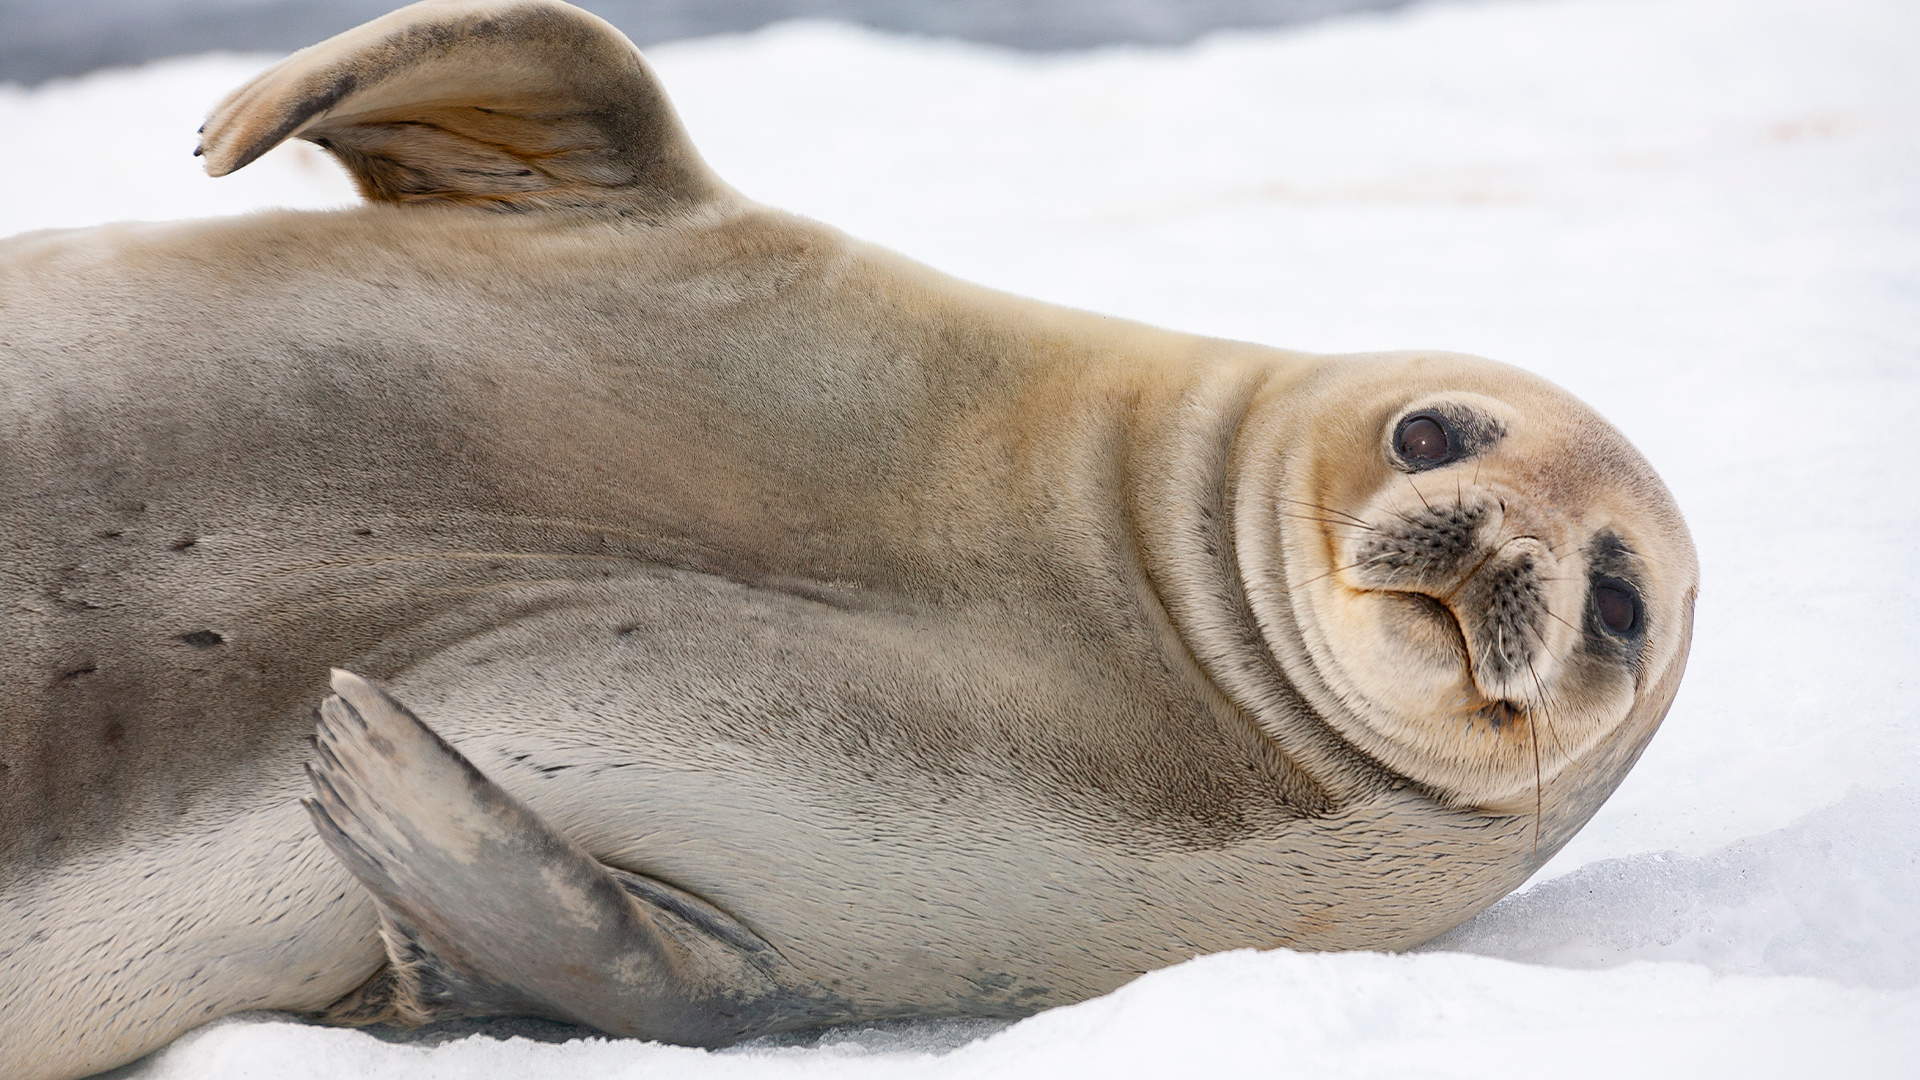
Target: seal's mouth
[(1469, 577), (1446, 623), (1496, 712)]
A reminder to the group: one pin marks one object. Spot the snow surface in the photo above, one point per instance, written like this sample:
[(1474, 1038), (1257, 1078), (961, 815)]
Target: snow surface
[(1702, 216)]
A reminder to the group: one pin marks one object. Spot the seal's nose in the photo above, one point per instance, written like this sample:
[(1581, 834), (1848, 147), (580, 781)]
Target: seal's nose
[(1504, 610), (1480, 558)]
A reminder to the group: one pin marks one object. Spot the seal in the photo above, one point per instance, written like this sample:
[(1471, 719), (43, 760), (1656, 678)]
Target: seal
[(740, 628)]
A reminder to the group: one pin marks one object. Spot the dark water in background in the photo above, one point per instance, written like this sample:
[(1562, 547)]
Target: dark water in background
[(45, 39)]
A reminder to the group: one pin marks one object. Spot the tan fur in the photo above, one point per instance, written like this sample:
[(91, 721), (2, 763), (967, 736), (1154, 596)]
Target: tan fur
[(976, 654)]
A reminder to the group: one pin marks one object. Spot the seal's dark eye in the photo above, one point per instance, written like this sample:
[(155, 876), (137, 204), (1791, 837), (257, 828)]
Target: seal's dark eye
[(1617, 606), (1423, 442)]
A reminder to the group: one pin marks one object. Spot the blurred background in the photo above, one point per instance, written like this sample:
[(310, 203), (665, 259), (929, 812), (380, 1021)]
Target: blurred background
[(48, 39)]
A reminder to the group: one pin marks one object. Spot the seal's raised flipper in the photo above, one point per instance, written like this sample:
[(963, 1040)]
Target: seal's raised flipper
[(487, 910), (512, 103)]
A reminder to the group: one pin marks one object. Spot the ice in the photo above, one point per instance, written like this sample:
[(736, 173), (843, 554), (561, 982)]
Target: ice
[(1834, 895), (1239, 1014), (1702, 216)]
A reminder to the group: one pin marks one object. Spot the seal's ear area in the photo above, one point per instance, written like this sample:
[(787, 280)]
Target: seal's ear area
[(512, 103)]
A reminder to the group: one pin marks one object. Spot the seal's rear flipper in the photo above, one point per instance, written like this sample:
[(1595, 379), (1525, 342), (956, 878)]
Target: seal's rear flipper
[(487, 910), (512, 103)]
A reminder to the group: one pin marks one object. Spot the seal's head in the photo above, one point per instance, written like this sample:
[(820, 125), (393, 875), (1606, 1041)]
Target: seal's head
[(1480, 583)]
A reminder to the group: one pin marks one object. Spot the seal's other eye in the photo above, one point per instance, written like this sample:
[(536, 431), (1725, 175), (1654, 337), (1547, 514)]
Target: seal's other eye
[(1424, 441), (1618, 606)]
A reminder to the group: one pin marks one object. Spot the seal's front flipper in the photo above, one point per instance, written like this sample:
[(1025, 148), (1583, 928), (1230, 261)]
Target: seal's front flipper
[(487, 910)]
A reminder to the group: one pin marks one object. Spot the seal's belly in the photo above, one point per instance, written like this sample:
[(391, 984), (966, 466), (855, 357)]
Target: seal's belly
[(1016, 825)]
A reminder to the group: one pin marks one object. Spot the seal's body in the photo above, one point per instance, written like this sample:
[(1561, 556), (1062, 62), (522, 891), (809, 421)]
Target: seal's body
[(813, 637)]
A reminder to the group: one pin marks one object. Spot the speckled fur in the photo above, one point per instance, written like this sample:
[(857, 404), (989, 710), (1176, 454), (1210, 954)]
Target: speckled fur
[(975, 654)]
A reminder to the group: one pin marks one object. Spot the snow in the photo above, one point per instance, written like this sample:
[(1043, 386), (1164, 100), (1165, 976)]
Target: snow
[(1239, 1014), (1701, 216)]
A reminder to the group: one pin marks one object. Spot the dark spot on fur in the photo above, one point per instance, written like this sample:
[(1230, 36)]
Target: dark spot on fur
[(363, 532), (68, 589), (69, 676), (112, 534), (1499, 714), (203, 639), (184, 543), (113, 733)]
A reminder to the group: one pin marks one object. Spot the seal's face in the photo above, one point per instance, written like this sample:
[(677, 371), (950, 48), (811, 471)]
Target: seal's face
[(1489, 582)]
